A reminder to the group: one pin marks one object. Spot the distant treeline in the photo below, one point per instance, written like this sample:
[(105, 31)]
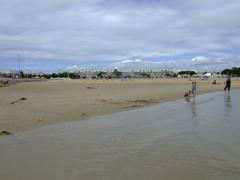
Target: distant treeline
[(99, 75), (235, 71), (187, 72), (62, 75), (53, 75)]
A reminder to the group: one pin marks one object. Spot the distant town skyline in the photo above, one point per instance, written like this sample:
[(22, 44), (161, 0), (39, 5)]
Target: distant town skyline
[(49, 36)]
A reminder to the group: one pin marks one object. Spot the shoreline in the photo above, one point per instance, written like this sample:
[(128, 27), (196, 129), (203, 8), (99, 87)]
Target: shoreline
[(28, 105), (135, 144)]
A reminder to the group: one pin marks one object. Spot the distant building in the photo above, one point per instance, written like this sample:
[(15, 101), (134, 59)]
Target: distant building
[(9, 74)]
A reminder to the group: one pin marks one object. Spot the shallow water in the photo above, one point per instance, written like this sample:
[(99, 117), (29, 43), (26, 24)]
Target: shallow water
[(186, 139)]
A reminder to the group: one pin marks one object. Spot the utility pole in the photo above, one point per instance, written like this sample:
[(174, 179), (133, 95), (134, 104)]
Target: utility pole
[(19, 66)]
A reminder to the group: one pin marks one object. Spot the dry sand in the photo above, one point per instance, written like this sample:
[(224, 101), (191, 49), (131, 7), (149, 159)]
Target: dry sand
[(31, 104)]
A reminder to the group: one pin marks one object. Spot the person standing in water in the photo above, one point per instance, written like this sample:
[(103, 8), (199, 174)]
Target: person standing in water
[(228, 84), (194, 88)]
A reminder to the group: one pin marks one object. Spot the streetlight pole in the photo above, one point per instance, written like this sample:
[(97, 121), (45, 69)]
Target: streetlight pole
[(19, 65)]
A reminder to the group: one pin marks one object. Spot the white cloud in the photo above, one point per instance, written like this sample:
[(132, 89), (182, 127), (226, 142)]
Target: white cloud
[(199, 59), (131, 61), (197, 63), (79, 31), (73, 67)]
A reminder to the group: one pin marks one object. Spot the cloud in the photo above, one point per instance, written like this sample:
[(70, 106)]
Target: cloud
[(79, 31), (131, 61), (200, 59), (73, 67), (199, 64)]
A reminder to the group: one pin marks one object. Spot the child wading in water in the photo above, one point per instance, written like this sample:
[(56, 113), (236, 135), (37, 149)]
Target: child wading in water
[(228, 84), (188, 93), (194, 88)]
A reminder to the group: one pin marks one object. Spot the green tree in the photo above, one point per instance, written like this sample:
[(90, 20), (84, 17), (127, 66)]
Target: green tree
[(117, 74), (63, 75), (54, 75), (235, 71), (145, 75), (187, 72), (21, 74), (100, 74), (47, 76), (74, 76)]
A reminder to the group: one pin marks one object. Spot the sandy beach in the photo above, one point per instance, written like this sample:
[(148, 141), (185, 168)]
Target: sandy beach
[(27, 105)]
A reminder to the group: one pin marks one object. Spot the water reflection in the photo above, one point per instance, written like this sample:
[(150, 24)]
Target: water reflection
[(192, 102), (194, 108), (228, 105)]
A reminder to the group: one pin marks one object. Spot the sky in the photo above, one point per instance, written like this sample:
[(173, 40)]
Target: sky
[(129, 34)]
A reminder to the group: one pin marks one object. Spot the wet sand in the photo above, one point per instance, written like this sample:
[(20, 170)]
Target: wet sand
[(32, 104), (185, 139)]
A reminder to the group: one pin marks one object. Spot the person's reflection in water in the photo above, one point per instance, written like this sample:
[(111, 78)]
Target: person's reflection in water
[(228, 105), (187, 99), (192, 102), (194, 108)]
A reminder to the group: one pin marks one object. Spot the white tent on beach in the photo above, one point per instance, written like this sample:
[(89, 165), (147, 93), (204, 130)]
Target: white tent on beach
[(207, 74)]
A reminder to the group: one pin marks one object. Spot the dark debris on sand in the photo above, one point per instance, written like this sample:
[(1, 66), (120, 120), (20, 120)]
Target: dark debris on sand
[(5, 133)]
